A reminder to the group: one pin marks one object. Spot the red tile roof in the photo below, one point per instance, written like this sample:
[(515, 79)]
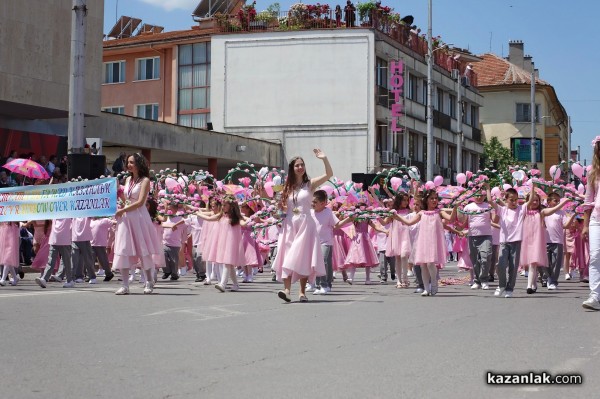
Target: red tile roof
[(496, 71), (159, 37)]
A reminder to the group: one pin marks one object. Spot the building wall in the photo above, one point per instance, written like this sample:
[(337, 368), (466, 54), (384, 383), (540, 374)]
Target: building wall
[(133, 92), (35, 47), (306, 89)]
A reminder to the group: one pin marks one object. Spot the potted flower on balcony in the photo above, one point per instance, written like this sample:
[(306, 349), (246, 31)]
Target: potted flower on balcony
[(247, 14), (365, 12)]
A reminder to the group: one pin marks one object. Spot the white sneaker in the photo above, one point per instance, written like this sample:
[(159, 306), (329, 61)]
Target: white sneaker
[(41, 282), (475, 286), (424, 293), (148, 288), (69, 284), (207, 282), (79, 280), (182, 272), (499, 291), (552, 286), (235, 287), (317, 291), (100, 272), (309, 287), (410, 273), (122, 291), (92, 281), (219, 287), (419, 290), (2, 283), (507, 294), (591, 304), (568, 276), (485, 286)]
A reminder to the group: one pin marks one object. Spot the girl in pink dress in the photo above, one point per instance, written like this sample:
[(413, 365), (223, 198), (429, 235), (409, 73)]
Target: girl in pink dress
[(430, 248), (570, 233), (159, 260), (299, 254), (361, 252), (398, 242), (9, 256), (41, 231), (230, 252), (533, 246), (135, 236), (252, 252), (210, 240), (461, 247), (341, 243)]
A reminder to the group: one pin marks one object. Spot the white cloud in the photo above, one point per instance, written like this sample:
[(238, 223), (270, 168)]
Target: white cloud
[(170, 5)]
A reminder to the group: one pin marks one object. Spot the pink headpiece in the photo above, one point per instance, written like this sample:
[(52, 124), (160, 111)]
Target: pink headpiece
[(595, 141)]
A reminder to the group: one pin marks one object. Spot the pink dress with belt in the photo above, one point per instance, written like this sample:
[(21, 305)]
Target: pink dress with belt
[(361, 252), (431, 242), (533, 245)]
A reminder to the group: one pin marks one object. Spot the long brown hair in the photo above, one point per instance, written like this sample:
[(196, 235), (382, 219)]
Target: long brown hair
[(595, 166), (290, 182), (234, 213)]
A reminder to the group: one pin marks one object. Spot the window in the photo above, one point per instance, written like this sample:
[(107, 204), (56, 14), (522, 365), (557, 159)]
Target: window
[(467, 108), (382, 73), (440, 100), (524, 112), (114, 72), (424, 148), (475, 162), (452, 157), (412, 145), (384, 140), (438, 152), (423, 99), (147, 111), (465, 161), (194, 84), (452, 106), (474, 116), (148, 68), (114, 110), (412, 87)]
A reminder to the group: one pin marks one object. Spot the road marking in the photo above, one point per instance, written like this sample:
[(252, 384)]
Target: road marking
[(352, 301), (21, 294), (201, 313)]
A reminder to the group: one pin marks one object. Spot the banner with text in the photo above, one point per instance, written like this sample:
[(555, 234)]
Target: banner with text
[(59, 201)]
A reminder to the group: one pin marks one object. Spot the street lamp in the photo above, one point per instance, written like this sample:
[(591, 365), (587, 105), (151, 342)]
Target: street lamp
[(429, 170)]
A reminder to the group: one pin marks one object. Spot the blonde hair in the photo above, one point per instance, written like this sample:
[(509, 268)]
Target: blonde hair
[(595, 166)]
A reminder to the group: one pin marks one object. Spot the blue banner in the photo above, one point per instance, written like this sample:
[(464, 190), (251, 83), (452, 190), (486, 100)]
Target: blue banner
[(59, 201)]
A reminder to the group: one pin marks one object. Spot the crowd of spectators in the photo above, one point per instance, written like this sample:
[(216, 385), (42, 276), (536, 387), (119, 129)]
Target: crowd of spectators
[(56, 168)]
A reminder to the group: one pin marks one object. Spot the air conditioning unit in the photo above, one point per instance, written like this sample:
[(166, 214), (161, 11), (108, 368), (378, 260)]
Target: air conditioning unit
[(386, 157), (396, 158), (455, 74), (466, 82)]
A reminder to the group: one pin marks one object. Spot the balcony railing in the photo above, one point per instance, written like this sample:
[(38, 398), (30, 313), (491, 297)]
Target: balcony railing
[(293, 20)]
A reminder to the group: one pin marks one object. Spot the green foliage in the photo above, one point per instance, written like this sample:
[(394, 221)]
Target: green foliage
[(497, 157), (364, 8)]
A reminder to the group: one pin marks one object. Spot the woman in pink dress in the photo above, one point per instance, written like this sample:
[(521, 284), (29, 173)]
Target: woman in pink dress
[(430, 248), (229, 251), (135, 236), (533, 246), (398, 242), (361, 252), (299, 254), (9, 256)]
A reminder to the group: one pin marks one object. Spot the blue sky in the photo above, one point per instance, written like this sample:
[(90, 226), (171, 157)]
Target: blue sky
[(562, 37)]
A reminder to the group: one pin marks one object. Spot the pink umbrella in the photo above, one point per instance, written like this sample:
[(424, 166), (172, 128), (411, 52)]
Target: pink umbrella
[(27, 168)]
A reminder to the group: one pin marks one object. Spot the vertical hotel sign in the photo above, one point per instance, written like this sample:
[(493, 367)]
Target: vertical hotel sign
[(396, 70)]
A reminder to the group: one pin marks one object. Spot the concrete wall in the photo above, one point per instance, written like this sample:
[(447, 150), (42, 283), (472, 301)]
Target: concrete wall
[(305, 89), (35, 51)]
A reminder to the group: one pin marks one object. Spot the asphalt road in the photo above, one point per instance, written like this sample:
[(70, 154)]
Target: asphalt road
[(190, 341)]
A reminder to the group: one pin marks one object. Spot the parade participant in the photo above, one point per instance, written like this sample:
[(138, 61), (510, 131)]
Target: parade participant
[(135, 237), (385, 262), (252, 253), (210, 243), (299, 255), (100, 228), (81, 250), (398, 241), (230, 252), (591, 228), (430, 248), (174, 233), (9, 256), (413, 232), (555, 237), (196, 225), (60, 244)]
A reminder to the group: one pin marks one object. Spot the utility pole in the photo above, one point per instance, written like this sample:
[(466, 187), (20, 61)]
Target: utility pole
[(533, 135), (77, 78), (429, 173)]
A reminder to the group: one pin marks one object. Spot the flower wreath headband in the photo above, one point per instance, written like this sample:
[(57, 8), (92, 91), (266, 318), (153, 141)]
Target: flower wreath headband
[(595, 141)]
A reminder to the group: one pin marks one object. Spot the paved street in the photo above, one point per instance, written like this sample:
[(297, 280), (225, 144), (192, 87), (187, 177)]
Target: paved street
[(190, 341)]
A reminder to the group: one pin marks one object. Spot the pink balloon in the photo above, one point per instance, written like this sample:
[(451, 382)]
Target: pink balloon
[(438, 180), (269, 188), (327, 189), (461, 178), (219, 184), (171, 183), (581, 188), (430, 185), (496, 191), (469, 174), (396, 182), (506, 186), (577, 170), (555, 172)]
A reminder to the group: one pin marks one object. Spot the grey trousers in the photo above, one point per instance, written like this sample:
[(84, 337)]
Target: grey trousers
[(82, 256), (65, 254), (171, 260), (199, 264), (419, 276), (480, 251), (327, 280), (384, 263), (555, 260), (102, 256), (510, 253)]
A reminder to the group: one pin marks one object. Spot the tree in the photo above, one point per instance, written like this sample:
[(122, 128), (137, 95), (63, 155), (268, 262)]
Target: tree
[(499, 158)]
